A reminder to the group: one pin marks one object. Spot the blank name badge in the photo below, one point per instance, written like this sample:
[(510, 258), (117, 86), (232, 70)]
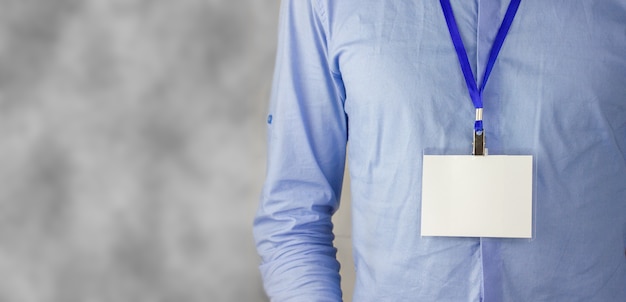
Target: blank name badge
[(477, 196)]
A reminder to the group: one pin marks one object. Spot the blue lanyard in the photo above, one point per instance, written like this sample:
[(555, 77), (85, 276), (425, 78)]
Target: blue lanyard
[(475, 93)]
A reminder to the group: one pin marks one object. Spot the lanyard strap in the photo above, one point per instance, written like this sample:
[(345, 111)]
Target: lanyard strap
[(476, 94)]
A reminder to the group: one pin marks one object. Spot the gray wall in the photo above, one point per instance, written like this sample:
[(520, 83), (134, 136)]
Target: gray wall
[(132, 142)]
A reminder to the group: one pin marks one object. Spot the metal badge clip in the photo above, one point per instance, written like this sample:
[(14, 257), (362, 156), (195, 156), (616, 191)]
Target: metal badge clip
[(479, 143), (479, 134)]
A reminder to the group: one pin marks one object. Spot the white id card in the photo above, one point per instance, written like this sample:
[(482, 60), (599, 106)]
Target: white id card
[(477, 196)]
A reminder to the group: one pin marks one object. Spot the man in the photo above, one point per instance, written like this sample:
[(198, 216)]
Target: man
[(384, 76)]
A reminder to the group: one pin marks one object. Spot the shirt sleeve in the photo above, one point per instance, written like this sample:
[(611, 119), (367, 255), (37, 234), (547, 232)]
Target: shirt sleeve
[(307, 136)]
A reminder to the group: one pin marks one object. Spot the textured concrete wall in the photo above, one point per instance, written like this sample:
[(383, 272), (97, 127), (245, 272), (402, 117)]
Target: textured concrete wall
[(132, 148)]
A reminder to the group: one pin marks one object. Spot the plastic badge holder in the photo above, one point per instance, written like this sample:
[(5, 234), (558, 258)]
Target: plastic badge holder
[(477, 196)]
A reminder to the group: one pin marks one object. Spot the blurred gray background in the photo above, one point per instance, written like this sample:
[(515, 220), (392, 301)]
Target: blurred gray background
[(132, 142), (132, 149)]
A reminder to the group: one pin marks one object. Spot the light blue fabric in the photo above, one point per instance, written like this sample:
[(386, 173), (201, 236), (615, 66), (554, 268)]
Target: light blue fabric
[(383, 76)]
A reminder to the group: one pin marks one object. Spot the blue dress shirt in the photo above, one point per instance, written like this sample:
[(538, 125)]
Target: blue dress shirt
[(384, 76)]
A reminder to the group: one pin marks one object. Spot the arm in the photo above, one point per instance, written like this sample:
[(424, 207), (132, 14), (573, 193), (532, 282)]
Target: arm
[(307, 137)]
